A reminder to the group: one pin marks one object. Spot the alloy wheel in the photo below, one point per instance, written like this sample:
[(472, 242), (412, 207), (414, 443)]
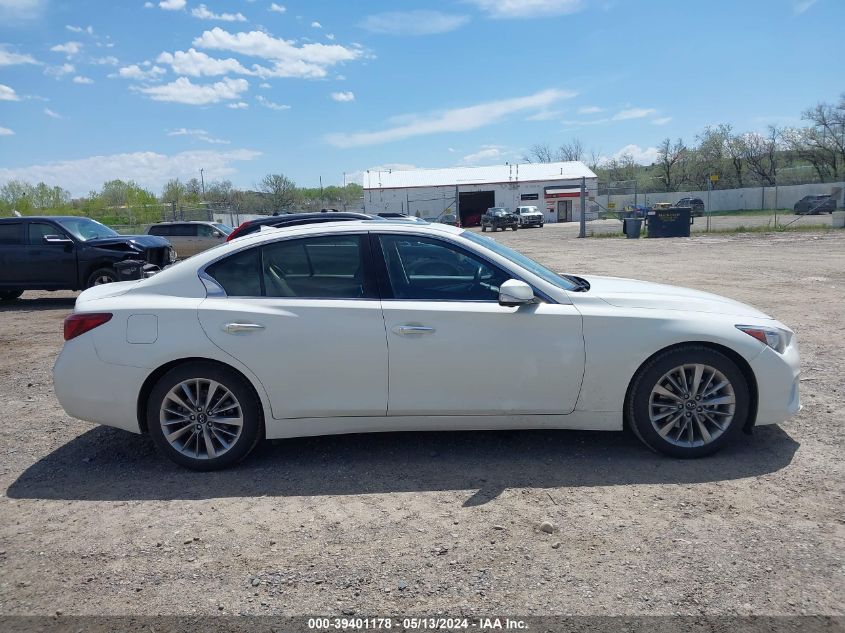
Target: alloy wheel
[(692, 405), (201, 418)]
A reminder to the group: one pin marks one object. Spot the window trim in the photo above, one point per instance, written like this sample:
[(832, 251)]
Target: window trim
[(371, 287), (384, 279)]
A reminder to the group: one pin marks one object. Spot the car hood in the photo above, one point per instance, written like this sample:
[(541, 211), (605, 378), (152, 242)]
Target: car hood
[(631, 293), (141, 242)]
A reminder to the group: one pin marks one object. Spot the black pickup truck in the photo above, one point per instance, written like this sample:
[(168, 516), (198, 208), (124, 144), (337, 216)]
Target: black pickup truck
[(68, 253)]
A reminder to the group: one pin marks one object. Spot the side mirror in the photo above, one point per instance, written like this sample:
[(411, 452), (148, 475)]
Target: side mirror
[(60, 240), (515, 293)]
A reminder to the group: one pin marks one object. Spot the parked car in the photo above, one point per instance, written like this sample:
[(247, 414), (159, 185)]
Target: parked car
[(696, 204), (448, 218), (499, 218), (530, 216), (294, 219), (812, 205), (190, 238), (221, 350), (68, 253)]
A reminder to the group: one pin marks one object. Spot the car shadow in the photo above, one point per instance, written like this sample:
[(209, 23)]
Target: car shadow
[(111, 465), (39, 303)]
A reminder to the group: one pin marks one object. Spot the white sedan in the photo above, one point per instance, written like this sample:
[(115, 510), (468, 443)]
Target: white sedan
[(355, 327)]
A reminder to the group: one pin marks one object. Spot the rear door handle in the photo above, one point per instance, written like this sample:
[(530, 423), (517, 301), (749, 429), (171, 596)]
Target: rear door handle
[(413, 330), (242, 328)]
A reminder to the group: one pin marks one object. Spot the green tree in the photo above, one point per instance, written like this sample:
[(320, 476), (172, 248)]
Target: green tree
[(280, 190)]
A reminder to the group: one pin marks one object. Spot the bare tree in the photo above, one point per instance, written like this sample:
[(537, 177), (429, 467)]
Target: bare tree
[(280, 190), (671, 163), (735, 151), (540, 153), (826, 134), (760, 154), (573, 150)]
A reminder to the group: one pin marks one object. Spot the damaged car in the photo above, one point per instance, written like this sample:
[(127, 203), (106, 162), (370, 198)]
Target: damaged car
[(72, 253)]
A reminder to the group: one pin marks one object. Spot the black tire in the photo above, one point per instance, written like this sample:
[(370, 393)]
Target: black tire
[(515, 227), (253, 423), (483, 229), (101, 274), (637, 406), (10, 295)]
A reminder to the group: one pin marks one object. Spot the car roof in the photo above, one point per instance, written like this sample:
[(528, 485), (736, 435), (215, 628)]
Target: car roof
[(185, 222), (292, 217), (46, 217)]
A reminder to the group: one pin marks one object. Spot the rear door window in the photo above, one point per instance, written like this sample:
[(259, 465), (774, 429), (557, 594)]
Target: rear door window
[(10, 233), (239, 274)]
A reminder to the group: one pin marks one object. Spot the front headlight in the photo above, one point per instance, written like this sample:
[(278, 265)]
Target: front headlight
[(775, 338), (172, 255)]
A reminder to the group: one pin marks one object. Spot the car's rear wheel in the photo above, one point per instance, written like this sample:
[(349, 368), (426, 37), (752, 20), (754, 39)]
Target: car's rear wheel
[(10, 295), (688, 402), (483, 229), (101, 276), (204, 416)]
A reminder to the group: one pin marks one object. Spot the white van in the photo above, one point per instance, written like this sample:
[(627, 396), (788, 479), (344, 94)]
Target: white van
[(529, 216)]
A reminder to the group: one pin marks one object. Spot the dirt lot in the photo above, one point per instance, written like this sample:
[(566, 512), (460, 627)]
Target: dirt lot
[(93, 521)]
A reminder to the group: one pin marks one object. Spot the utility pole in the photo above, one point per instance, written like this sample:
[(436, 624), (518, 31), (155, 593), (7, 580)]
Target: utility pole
[(582, 230), (322, 204), (202, 180)]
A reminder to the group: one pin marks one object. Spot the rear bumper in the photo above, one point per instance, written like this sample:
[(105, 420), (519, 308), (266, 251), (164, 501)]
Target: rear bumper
[(778, 377), (96, 391)]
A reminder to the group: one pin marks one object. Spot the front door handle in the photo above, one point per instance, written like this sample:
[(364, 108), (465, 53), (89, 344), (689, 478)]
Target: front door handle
[(241, 328), (413, 330)]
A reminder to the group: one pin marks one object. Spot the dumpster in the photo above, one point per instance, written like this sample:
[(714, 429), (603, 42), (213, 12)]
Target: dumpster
[(632, 227), (672, 222), (130, 269)]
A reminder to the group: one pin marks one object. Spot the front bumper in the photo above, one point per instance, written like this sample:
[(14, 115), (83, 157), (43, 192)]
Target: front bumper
[(778, 377)]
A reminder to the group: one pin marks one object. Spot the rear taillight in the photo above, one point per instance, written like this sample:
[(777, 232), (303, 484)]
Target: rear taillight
[(237, 231), (77, 324)]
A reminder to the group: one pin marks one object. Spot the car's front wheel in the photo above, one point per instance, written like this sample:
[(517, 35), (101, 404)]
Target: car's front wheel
[(10, 295), (688, 402), (204, 416), (101, 276)]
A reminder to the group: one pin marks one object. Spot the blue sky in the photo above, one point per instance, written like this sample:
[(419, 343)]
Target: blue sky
[(93, 89)]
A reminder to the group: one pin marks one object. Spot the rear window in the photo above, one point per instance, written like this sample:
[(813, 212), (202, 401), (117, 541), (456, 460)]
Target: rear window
[(160, 230), (10, 233)]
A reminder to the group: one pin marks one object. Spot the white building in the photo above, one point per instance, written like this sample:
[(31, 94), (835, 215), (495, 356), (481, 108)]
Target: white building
[(554, 188)]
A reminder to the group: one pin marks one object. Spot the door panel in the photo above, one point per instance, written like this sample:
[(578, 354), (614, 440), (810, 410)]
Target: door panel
[(483, 358), (315, 358), (49, 265)]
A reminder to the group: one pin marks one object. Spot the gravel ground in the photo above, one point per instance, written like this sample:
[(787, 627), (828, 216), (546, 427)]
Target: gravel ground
[(93, 521)]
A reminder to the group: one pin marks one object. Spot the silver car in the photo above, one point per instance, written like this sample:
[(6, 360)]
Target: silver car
[(190, 238)]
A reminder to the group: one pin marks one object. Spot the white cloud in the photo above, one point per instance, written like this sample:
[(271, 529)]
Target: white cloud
[(196, 64), (8, 93), (661, 121), (78, 29), (633, 113), (316, 25), (68, 48), (641, 155), (4, 131), (269, 104), (9, 58), (454, 120), (799, 6), (487, 153), (546, 115), (200, 135), (413, 22), (240, 105), (52, 114), (183, 91), (343, 97), (148, 5), (264, 85), (172, 5), (108, 60), (277, 8), (503, 9), (148, 169), (136, 73), (590, 110), (308, 60), (79, 79), (203, 13), (59, 71), (14, 10)]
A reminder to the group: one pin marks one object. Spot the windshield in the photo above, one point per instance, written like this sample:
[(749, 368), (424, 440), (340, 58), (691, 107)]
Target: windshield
[(85, 228), (518, 258), (496, 211), (222, 227)]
